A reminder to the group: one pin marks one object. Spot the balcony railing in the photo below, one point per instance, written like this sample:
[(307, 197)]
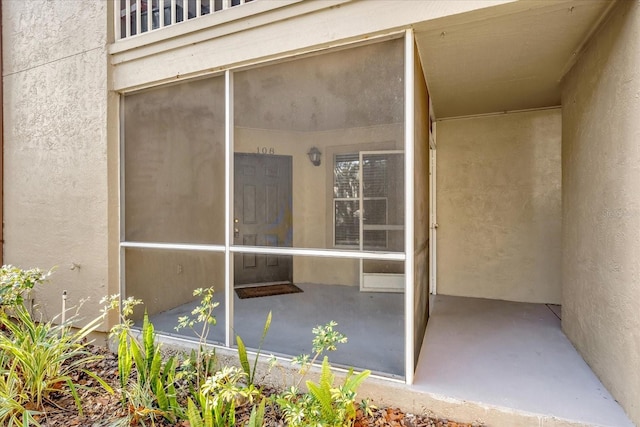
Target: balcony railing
[(140, 16)]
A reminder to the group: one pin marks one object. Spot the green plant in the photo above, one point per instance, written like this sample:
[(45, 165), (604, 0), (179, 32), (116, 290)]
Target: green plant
[(201, 363), (122, 332), (38, 358), (256, 419), (14, 282), (216, 394), (367, 407), (325, 404), (326, 338), (242, 352), (215, 404), (152, 393)]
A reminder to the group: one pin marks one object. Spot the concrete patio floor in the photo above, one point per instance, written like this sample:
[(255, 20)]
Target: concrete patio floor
[(498, 362), (360, 316), (514, 356)]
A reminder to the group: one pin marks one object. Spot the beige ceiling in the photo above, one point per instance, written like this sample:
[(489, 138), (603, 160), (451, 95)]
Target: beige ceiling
[(504, 58)]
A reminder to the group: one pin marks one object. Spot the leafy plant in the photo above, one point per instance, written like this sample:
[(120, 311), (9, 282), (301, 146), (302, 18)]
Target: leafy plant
[(326, 338), (242, 352), (325, 404), (38, 358), (152, 393), (367, 407), (216, 394), (14, 282), (122, 332), (256, 419), (215, 404), (202, 362)]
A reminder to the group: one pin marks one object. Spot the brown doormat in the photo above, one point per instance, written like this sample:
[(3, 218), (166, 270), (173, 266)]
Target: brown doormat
[(267, 291)]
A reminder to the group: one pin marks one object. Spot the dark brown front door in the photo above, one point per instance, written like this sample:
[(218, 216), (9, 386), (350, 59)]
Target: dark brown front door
[(262, 216)]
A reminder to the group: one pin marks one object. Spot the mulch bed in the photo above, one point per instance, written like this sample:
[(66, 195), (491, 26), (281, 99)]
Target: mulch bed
[(103, 409)]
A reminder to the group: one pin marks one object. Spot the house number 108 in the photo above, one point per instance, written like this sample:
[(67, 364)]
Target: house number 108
[(265, 150)]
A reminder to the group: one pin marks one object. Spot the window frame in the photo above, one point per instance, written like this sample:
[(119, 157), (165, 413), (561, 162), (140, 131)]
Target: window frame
[(386, 147)]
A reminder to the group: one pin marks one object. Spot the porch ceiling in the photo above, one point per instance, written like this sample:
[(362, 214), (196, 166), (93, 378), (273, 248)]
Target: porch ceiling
[(508, 59)]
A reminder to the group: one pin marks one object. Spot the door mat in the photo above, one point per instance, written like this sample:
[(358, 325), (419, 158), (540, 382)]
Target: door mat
[(267, 291)]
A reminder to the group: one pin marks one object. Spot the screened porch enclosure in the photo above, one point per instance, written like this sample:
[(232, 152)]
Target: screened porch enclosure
[(371, 322), (292, 173)]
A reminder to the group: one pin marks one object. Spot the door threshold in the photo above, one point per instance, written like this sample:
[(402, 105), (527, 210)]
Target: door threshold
[(255, 285)]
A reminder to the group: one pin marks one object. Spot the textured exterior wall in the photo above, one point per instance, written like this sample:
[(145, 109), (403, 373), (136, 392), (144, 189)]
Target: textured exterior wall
[(55, 112), (601, 205), (499, 207), (312, 189)]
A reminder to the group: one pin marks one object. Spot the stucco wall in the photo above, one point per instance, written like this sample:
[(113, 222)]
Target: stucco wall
[(499, 206), (312, 189), (55, 146), (601, 205)]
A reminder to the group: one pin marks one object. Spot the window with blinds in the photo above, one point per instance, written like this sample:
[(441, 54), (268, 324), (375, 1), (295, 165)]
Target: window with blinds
[(346, 200), (375, 176)]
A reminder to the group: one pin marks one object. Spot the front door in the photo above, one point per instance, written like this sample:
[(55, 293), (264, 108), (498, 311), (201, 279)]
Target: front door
[(262, 216)]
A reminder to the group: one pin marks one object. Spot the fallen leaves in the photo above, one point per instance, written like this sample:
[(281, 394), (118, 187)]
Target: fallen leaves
[(101, 409)]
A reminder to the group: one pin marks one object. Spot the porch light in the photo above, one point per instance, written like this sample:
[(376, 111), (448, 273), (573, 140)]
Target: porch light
[(314, 155)]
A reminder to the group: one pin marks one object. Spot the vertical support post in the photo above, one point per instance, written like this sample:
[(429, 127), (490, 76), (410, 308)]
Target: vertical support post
[(409, 119), (161, 22), (228, 223), (63, 318), (1, 149), (360, 201), (149, 15), (433, 221), (198, 8), (122, 220), (117, 16), (138, 16), (185, 10), (173, 12), (127, 18)]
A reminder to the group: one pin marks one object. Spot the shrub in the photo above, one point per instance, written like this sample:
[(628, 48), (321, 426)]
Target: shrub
[(151, 394), (38, 358), (14, 282), (324, 405)]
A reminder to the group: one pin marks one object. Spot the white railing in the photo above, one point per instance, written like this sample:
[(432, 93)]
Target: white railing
[(133, 17)]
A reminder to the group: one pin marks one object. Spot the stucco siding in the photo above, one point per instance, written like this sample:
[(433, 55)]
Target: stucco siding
[(55, 147), (601, 205), (39, 32), (499, 206)]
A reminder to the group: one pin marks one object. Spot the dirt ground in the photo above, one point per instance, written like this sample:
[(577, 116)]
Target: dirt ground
[(104, 409)]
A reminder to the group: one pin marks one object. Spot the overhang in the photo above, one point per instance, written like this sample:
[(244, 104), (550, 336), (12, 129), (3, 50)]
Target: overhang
[(504, 58)]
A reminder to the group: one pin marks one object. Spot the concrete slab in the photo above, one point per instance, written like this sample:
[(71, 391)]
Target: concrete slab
[(373, 323), (513, 356), (493, 362)]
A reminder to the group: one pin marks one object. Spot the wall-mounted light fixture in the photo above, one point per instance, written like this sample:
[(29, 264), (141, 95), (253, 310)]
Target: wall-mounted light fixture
[(314, 155)]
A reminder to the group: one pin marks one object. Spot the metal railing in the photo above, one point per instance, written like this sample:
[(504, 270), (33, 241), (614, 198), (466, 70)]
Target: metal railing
[(135, 17)]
